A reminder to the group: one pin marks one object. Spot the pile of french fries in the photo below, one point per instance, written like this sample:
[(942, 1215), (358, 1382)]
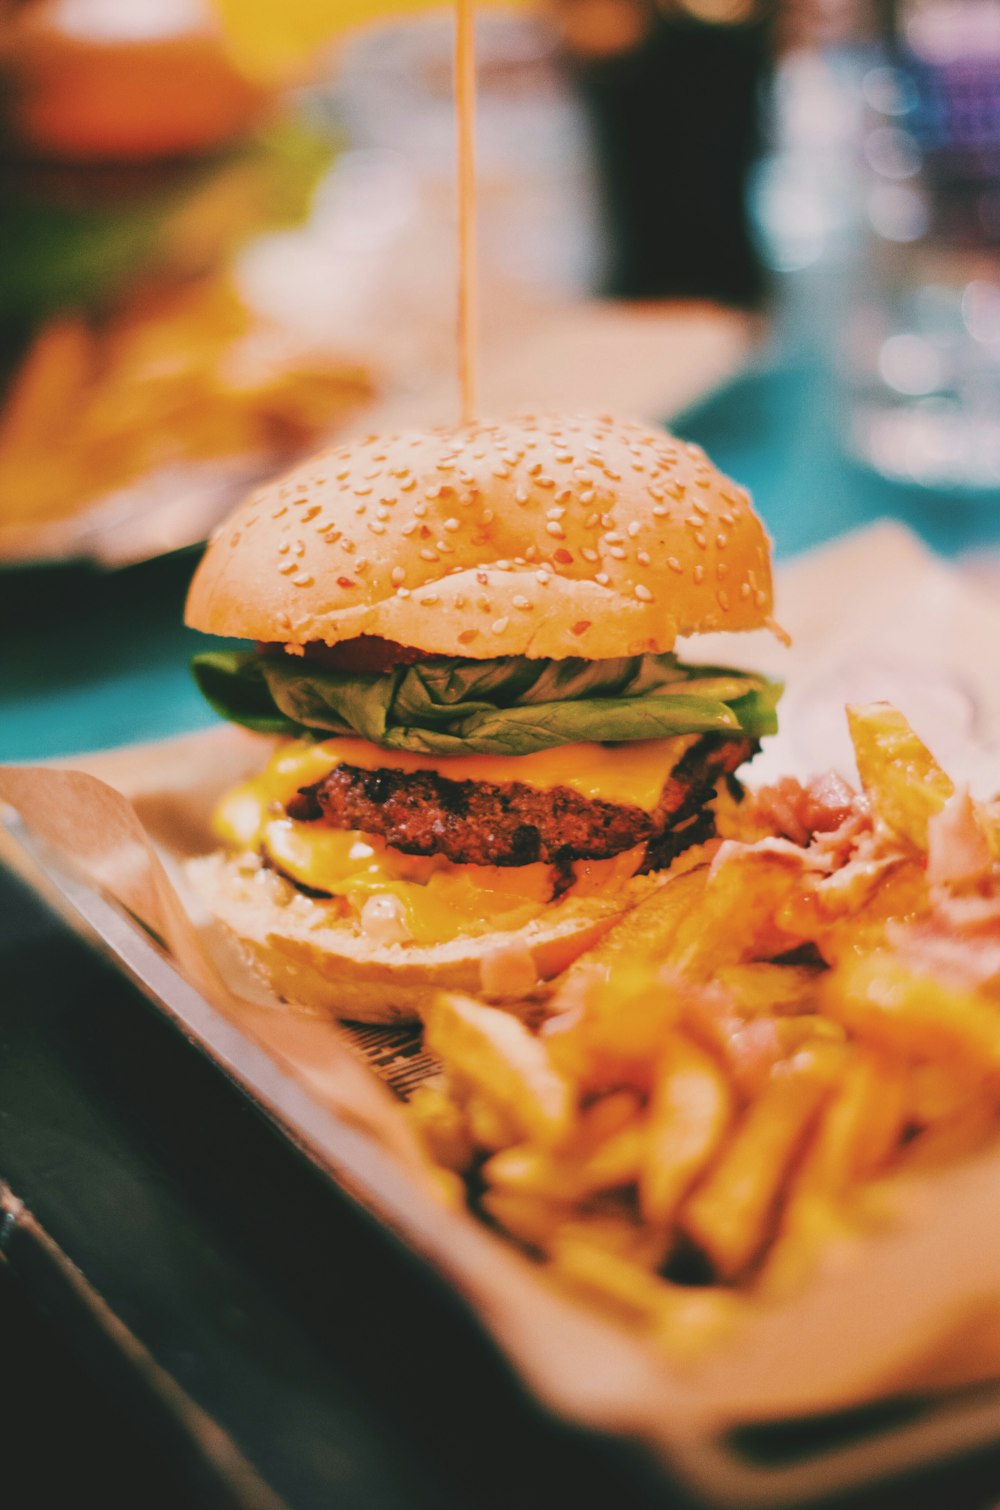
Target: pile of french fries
[(727, 1081), (178, 375)]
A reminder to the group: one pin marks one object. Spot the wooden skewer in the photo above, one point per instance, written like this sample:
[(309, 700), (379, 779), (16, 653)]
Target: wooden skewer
[(465, 105)]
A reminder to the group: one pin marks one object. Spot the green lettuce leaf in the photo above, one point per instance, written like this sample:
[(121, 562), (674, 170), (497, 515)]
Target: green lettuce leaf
[(508, 706)]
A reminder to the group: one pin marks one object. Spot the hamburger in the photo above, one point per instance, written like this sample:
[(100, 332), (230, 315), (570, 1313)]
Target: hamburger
[(485, 748)]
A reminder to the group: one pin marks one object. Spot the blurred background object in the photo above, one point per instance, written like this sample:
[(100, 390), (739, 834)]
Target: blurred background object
[(674, 94), (925, 340)]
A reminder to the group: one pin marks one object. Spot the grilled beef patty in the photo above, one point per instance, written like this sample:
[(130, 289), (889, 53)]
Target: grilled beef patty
[(481, 823)]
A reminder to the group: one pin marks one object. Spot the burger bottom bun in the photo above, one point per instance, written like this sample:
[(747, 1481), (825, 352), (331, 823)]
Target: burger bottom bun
[(315, 958)]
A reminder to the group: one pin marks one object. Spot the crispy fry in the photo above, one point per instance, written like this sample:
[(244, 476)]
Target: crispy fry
[(506, 1063), (729, 1215), (881, 1001), (900, 775), (443, 1125), (766, 988), (690, 1110), (738, 919), (613, 1033), (647, 933)]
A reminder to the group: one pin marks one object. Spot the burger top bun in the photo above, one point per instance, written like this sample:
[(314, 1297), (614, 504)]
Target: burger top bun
[(548, 537)]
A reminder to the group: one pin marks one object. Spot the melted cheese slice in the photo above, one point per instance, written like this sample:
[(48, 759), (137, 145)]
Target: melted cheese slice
[(438, 899)]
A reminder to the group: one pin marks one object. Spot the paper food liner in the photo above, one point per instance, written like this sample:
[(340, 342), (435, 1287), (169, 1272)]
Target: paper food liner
[(910, 1307)]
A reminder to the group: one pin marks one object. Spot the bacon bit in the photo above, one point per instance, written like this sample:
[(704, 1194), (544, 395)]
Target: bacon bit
[(799, 812)]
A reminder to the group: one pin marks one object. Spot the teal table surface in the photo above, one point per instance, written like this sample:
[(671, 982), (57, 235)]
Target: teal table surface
[(92, 661)]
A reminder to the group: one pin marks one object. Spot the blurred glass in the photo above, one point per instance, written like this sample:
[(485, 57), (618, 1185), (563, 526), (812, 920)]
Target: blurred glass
[(924, 334)]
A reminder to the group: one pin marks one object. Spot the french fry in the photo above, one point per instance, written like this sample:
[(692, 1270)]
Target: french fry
[(729, 1215), (531, 1219), (616, 1028), (506, 1063), (772, 989), (684, 1321), (900, 775), (443, 1126), (690, 1110), (881, 1001), (613, 1163), (647, 932), (738, 918)]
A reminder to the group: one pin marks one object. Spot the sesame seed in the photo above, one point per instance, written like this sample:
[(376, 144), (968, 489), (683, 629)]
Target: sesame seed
[(534, 469), (723, 599), (554, 513), (409, 484), (543, 577), (642, 592), (703, 480), (482, 578), (657, 494), (283, 548), (442, 545), (397, 575), (402, 592), (500, 625), (298, 548), (520, 602), (552, 528), (660, 511), (744, 589), (618, 552), (642, 557), (587, 495), (420, 509), (311, 512), (426, 554), (602, 577), (432, 493), (589, 554), (634, 528), (288, 567), (675, 565), (361, 508), (487, 516), (382, 512), (452, 524), (278, 512), (348, 546), (361, 492), (760, 597), (545, 482), (701, 542), (699, 573), (501, 472), (484, 603), (722, 571), (429, 599), (375, 527), (700, 508), (302, 580), (721, 539), (409, 528), (460, 600)]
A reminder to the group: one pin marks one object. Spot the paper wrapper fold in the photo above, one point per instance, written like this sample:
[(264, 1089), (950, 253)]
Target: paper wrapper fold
[(910, 1307)]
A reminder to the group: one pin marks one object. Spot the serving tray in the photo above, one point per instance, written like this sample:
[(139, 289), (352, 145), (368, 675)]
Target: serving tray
[(768, 1464)]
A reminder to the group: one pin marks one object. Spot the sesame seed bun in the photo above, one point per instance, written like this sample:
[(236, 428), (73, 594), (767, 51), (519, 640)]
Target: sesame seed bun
[(545, 537), (309, 954)]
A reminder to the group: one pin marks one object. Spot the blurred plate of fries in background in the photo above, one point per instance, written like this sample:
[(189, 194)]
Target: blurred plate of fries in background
[(134, 435)]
